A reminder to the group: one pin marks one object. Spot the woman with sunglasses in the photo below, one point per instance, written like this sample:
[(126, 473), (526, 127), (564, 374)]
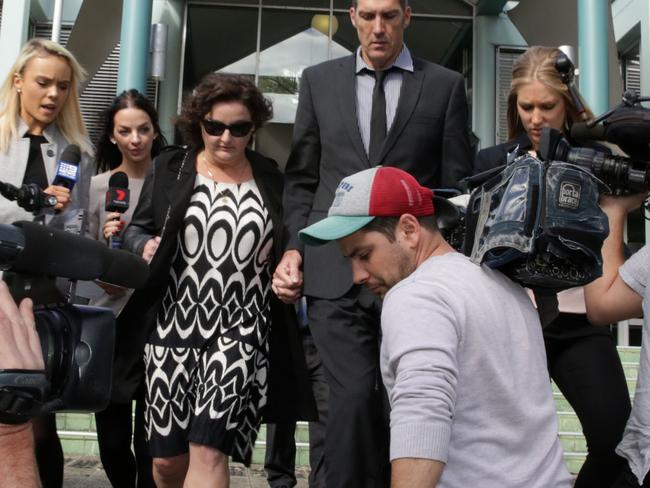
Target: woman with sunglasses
[(209, 222)]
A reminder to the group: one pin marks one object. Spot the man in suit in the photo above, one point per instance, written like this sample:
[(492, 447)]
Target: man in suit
[(424, 112)]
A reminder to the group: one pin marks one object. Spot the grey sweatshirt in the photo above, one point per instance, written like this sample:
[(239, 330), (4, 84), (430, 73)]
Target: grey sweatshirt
[(464, 364)]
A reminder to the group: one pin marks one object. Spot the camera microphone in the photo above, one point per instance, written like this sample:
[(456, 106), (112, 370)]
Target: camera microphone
[(117, 200), (67, 169), (32, 248), (30, 196)]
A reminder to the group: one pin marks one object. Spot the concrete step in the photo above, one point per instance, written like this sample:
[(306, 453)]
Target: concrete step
[(78, 437), (77, 430)]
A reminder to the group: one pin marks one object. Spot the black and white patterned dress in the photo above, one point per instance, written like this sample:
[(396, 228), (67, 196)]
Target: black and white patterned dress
[(207, 360)]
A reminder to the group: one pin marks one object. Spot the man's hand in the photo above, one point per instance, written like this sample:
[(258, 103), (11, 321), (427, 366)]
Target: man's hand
[(287, 279), (20, 347), (62, 195), (150, 248)]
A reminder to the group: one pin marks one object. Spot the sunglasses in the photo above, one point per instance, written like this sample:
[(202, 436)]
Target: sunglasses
[(216, 128)]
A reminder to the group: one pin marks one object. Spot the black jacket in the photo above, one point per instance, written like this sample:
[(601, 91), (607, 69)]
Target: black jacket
[(428, 139), (161, 209), (494, 156)]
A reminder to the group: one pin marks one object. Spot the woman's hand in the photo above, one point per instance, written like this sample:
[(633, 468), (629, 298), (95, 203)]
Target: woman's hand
[(62, 195), (113, 224), (150, 248)]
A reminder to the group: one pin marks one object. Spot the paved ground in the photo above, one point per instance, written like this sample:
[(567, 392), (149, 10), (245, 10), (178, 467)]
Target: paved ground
[(87, 472)]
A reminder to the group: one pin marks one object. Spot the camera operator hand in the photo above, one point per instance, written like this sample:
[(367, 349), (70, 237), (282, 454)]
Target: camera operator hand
[(62, 195), (20, 348), (609, 299), (613, 206)]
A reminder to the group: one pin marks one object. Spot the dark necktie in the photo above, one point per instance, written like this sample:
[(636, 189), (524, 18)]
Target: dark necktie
[(378, 122)]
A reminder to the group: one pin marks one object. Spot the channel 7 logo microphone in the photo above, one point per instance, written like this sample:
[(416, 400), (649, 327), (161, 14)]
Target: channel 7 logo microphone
[(117, 200)]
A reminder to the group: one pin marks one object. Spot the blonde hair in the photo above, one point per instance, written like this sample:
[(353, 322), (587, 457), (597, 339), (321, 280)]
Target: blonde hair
[(538, 64), (69, 120)]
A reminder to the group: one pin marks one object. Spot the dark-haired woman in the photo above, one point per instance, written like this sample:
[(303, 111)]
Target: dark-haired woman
[(129, 140), (209, 222), (582, 358)]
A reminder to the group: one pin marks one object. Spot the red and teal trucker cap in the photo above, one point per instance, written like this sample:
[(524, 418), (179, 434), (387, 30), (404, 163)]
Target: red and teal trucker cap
[(377, 192)]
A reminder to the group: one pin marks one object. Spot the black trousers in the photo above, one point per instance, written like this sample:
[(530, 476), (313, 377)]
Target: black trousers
[(280, 459), (48, 451), (114, 435), (627, 479), (588, 371), (347, 334)]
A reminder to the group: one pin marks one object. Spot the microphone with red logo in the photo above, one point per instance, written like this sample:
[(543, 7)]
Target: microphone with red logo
[(117, 200)]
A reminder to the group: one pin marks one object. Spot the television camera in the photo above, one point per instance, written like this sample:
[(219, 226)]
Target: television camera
[(77, 341), (537, 219)]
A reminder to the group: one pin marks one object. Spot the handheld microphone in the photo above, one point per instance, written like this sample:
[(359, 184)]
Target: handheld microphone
[(117, 200), (67, 169), (30, 197)]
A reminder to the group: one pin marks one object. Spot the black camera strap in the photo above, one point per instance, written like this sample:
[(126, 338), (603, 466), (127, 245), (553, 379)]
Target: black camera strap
[(22, 393)]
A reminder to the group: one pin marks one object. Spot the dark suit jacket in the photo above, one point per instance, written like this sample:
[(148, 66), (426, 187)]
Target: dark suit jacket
[(161, 209), (428, 138)]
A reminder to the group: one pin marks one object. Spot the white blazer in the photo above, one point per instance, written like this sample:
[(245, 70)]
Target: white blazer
[(13, 164)]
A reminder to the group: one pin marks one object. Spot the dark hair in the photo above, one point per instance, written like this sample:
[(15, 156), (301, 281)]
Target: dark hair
[(387, 225), (403, 3), (108, 155), (216, 88)]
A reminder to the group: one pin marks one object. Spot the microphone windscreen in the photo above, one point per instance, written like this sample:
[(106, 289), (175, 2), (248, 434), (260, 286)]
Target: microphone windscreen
[(55, 252), (71, 154), (118, 180), (117, 196), (67, 169), (125, 269), (582, 131)]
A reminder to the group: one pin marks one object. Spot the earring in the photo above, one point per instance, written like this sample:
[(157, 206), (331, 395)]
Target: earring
[(18, 90), (113, 141)]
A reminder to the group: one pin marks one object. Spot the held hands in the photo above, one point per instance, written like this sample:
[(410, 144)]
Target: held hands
[(20, 347), (62, 195), (113, 224), (287, 279), (150, 248)]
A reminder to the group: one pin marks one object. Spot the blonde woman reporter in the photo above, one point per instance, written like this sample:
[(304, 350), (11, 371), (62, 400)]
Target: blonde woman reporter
[(582, 358), (39, 118)]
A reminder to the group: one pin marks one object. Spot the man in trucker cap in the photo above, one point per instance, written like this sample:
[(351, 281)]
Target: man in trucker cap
[(462, 354)]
